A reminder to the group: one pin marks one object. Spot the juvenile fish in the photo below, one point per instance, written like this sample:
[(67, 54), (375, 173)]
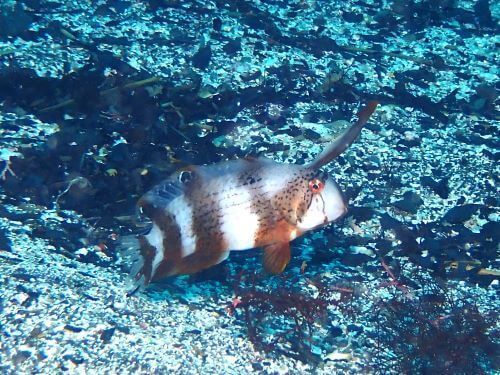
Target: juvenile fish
[(199, 214)]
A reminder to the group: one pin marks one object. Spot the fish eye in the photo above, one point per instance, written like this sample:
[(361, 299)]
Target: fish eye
[(316, 185), (185, 177)]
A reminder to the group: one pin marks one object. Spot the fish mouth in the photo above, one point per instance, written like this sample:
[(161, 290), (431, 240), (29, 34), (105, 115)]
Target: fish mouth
[(340, 212), (339, 208), (339, 216), (344, 213)]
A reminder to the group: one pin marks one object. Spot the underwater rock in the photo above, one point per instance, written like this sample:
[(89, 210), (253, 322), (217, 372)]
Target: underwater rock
[(352, 17), (491, 230), (459, 214), (354, 328), (476, 139), (482, 13), (5, 242), (403, 97), (336, 331), (410, 203), (276, 147), (355, 260), (311, 134), (484, 98), (14, 20), (201, 59), (410, 140), (361, 213), (217, 24), (232, 47), (73, 328), (107, 334), (439, 187), (408, 237), (77, 360), (293, 131), (386, 19)]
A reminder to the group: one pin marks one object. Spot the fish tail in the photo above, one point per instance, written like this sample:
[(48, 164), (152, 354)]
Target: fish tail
[(134, 259)]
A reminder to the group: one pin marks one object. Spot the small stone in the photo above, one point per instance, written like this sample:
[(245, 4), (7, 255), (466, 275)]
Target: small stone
[(311, 134), (439, 187), (21, 298), (21, 356), (73, 358), (72, 328), (336, 331), (337, 356), (257, 366), (410, 203), (201, 59), (107, 334), (123, 329), (14, 20), (217, 24), (354, 328), (231, 358), (232, 47), (459, 214)]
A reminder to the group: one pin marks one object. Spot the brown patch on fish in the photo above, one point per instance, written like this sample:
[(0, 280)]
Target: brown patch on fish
[(172, 245), (147, 251), (272, 231), (211, 246)]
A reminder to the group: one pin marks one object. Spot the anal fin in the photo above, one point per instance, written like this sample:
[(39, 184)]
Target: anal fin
[(276, 257)]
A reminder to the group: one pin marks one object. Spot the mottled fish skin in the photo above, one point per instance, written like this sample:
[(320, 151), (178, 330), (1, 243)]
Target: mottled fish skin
[(199, 214)]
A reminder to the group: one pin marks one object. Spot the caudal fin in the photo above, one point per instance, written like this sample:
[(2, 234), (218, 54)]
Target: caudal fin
[(345, 139)]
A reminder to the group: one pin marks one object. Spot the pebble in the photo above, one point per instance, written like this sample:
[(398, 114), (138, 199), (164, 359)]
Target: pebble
[(459, 214), (410, 203), (107, 334)]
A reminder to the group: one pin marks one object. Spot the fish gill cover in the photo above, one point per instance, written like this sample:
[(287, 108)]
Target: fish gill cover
[(100, 101)]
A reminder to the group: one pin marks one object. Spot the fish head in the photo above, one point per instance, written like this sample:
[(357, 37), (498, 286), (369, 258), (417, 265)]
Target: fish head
[(323, 202)]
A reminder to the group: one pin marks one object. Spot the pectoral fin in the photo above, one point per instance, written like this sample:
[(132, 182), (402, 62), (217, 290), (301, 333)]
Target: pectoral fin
[(276, 257)]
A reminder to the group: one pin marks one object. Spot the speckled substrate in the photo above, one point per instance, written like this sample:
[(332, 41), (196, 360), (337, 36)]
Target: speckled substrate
[(59, 314)]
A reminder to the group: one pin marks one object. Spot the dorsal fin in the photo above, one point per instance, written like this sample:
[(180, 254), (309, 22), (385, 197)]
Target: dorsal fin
[(162, 194), (345, 139)]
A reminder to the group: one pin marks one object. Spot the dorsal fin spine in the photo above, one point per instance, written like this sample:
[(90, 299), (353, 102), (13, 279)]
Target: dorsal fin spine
[(344, 140)]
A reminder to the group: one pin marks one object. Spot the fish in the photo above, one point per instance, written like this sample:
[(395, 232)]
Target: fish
[(201, 213)]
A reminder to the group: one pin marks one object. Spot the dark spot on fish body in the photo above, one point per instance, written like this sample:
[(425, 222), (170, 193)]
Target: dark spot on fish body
[(251, 180)]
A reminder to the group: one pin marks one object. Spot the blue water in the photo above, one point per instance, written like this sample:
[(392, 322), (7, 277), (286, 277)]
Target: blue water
[(100, 101)]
